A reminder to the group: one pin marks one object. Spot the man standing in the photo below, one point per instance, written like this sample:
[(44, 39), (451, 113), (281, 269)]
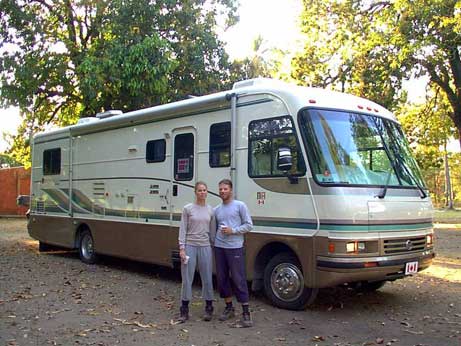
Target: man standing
[(233, 221)]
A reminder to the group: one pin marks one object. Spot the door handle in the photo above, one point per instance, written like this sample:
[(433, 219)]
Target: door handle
[(175, 190)]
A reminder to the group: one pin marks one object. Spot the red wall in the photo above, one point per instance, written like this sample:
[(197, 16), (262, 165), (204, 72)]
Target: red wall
[(13, 182)]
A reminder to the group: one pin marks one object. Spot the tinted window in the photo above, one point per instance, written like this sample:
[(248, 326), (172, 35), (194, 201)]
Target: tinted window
[(184, 156), (155, 151), (52, 161), (265, 138), (220, 138)]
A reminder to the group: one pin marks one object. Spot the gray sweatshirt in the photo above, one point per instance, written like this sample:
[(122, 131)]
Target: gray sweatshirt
[(236, 215), (196, 225)]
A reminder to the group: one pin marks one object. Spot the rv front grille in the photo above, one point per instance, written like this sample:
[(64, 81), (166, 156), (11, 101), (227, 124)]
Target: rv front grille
[(395, 246)]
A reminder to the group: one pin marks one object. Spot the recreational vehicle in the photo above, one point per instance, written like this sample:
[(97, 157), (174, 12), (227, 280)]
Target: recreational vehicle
[(335, 194)]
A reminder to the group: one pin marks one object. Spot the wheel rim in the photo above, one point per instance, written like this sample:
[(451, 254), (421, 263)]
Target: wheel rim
[(287, 282), (87, 246)]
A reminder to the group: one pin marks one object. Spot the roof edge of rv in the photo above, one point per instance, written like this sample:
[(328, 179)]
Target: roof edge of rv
[(219, 100)]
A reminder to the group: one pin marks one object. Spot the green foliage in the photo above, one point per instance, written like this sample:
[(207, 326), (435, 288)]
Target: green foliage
[(66, 59), (428, 128), (8, 161), (261, 63), (369, 48)]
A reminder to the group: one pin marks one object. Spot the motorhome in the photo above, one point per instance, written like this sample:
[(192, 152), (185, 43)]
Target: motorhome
[(335, 194)]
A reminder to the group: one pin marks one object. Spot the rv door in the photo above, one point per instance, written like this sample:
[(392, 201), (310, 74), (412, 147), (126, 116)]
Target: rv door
[(184, 169)]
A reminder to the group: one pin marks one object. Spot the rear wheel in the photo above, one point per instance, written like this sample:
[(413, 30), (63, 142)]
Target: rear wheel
[(86, 247), (284, 283)]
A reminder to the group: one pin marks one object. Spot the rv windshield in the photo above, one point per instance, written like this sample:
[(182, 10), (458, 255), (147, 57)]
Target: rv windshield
[(357, 149)]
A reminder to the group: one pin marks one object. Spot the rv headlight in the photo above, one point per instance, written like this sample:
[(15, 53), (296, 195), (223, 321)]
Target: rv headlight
[(355, 246)]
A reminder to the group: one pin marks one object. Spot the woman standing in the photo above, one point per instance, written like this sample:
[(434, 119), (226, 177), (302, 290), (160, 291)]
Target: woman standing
[(196, 234)]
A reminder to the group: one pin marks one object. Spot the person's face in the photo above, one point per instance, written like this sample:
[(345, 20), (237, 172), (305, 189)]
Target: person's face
[(201, 192), (225, 192)]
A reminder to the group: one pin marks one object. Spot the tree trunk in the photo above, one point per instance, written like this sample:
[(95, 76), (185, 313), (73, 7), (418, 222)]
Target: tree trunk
[(448, 191)]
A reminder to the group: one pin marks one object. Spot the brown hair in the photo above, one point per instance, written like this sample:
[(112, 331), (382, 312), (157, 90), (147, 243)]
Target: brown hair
[(226, 182), (198, 183)]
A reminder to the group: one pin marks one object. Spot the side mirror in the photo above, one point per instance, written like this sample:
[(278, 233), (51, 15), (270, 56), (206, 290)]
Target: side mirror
[(284, 159)]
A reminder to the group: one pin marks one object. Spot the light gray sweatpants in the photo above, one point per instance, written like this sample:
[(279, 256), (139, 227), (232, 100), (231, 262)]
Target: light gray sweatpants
[(202, 257)]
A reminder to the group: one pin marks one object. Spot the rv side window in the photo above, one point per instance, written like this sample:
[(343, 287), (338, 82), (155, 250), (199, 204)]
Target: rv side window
[(265, 138), (52, 161), (184, 156), (220, 137), (155, 151)]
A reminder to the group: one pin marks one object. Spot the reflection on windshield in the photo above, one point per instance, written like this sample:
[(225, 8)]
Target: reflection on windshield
[(357, 149)]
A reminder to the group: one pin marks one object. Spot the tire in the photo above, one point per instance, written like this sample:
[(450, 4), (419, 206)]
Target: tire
[(370, 286), (284, 283), (86, 247)]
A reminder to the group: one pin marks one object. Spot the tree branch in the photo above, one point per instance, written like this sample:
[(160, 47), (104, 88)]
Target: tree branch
[(57, 109)]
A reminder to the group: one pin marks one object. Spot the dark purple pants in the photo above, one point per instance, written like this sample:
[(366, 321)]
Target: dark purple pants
[(230, 273)]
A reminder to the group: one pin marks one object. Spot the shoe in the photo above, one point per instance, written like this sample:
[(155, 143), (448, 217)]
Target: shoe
[(228, 313), (246, 320), (208, 314), (183, 314)]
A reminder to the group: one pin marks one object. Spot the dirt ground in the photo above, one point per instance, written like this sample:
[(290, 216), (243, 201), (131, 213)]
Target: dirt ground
[(54, 299)]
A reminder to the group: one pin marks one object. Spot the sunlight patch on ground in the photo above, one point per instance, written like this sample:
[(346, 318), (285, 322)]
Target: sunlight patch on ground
[(448, 270)]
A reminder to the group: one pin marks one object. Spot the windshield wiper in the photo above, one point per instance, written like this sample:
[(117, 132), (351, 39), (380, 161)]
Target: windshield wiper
[(403, 164), (384, 191)]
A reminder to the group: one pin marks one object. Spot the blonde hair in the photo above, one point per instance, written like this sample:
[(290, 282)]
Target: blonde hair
[(198, 183)]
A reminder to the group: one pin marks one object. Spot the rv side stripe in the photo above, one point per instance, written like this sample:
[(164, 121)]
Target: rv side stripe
[(85, 204), (374, 227), (138, 178)]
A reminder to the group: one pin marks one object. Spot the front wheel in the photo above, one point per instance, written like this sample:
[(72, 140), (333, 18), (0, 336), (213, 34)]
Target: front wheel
[(284, 283), (86, 248)]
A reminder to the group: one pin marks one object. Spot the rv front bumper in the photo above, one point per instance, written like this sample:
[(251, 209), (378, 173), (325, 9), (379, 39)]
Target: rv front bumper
[(332, 271)]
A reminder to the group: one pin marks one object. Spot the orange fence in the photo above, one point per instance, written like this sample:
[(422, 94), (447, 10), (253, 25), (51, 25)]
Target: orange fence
[(13, 182)]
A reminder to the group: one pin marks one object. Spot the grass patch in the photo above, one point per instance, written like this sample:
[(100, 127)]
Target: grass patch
[(447, 215)]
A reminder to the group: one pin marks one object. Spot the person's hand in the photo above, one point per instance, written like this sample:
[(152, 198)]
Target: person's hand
[(182, 255), (226, 230)]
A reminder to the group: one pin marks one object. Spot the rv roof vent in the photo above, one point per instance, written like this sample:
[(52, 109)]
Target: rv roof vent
[(86, 120), (108, 114), (257, 81)]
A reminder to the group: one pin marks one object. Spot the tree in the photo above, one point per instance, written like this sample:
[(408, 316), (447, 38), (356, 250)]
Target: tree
[(429, 128), (66, 59), (259, 64), (370, 47), (8, 161)]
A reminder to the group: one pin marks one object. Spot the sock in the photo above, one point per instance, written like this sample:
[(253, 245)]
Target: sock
[(246, 308), (185, 303), (229, 305), (209, 304)]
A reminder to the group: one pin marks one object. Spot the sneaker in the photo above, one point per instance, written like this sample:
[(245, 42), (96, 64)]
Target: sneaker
[(228, 313), (246, 320), (183, 314), (208, 314)]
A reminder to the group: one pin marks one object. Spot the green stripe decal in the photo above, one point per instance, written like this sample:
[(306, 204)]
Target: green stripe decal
[(371, 228), (344, 228), (285, 224)]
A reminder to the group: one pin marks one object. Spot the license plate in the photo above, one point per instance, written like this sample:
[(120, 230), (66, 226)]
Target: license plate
[(411, 268)]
